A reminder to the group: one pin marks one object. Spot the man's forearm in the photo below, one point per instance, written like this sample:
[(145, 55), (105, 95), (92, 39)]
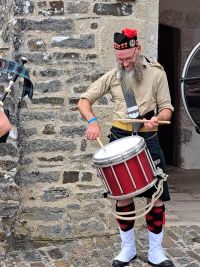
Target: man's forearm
[(165, 115), (93, 129), (85, 109)]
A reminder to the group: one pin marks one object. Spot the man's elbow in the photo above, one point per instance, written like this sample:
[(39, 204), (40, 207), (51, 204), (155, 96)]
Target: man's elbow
[(83, 102), (168, 113), (80, 103)]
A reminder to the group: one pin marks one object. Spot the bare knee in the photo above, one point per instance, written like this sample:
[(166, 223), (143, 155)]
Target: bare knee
[(157, 203), (124, 202)]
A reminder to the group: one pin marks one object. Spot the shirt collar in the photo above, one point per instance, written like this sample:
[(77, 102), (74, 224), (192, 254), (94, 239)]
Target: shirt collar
[(144, 61)]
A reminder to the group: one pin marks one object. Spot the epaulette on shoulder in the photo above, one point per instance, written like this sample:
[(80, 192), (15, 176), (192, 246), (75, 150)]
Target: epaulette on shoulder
[(156, 64)]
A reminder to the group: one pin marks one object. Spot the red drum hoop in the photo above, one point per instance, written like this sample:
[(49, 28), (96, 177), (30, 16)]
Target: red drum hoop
[(125, 167)]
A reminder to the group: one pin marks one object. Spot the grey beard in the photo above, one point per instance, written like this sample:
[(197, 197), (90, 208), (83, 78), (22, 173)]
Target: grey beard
[(131, 77)]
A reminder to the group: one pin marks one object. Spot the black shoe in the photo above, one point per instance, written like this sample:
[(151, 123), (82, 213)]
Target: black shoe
[(166, 263), (117, 263)]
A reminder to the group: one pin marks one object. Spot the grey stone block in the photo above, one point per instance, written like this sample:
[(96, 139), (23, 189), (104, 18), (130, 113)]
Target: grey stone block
[(8, 208), (57, 8), (55, 193), (48, 25), (51, 159), (90, 224), (42, 4), (32, 255), (87, 177), (25, 133), (73, 207), (55, 254), (71, 131), (42, 213), (68, 229), (48, 145), (27, 178), (38, 58), (23, 7), (49, 72), (28, 115), (83, 145), (94, 25), (48, 87), (115, 9), (70, 177), (49, 231), (82, 41), (49, 129), (36, 45), (78, 7), (91, 56), (68, 56), (81, 157), (24, 160), (49, 100), (9, 192), (73, 100), (17, 41), (80, 88), (8, 149), (8, 164)]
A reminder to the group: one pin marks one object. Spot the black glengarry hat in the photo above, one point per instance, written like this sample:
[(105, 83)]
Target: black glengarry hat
[(125, 39)]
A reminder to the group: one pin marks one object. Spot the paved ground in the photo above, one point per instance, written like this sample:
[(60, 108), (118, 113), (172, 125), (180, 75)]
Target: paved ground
[(182, 235), (185, 194)]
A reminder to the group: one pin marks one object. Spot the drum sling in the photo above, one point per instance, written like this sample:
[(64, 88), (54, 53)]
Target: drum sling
[(133, 111)]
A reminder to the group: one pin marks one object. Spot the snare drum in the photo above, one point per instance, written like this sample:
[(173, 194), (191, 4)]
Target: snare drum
[(126, 167)]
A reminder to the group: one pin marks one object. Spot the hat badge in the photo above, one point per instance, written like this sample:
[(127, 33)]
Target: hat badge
[(132, 43)]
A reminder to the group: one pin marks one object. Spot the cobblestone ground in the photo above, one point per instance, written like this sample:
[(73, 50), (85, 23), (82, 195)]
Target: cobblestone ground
[(182, 245)]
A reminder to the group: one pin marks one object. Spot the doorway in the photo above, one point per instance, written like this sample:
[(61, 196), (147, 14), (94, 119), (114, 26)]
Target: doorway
[(169, 49)]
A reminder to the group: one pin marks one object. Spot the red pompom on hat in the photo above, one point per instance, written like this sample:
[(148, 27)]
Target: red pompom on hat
[(125, 39), (130, 33)]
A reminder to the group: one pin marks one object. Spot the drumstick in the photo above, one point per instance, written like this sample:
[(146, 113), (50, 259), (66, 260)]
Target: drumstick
[(141, 120), (100, 143)]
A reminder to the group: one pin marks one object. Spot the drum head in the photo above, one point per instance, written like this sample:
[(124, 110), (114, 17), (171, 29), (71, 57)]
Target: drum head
[(119, 150), (190, 86)]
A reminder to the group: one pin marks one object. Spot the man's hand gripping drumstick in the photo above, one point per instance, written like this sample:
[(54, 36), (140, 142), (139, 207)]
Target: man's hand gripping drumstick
[(163, 117), (93, 130)]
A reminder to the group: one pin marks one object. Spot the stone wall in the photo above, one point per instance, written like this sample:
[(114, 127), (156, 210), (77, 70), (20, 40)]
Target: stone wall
[(68, 45), (9, 194), (186, 17)]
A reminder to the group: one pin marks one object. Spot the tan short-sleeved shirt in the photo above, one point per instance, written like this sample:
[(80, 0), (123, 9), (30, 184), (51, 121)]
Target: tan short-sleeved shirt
[(151, 94)]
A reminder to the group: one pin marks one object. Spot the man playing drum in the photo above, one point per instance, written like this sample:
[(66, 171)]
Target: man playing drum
[(148, 85)]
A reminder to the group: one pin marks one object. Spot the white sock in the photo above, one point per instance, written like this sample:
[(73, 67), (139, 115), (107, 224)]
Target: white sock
[(128, 248), (156, 252)]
